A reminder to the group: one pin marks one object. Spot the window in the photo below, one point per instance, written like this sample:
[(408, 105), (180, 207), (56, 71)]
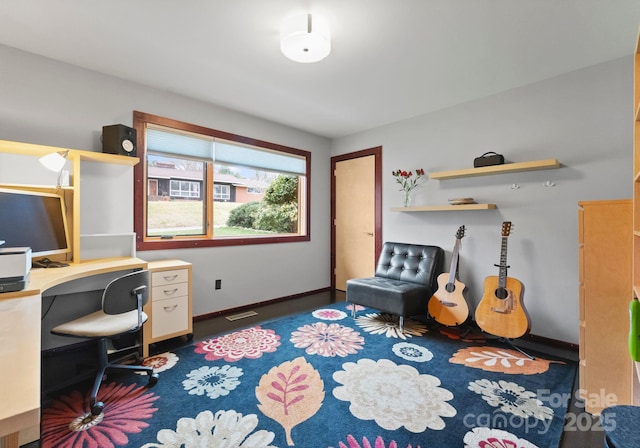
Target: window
[(184, 189), (221, 192), (205, 187)]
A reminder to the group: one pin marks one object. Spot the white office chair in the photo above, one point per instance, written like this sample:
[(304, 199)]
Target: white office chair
[(121, 313)]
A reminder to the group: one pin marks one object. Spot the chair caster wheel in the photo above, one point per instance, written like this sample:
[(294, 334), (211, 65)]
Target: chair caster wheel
[(97, 408), (153, 379)]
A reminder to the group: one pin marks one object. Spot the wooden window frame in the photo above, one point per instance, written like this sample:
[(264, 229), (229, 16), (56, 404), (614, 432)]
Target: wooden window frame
[(140, 121)]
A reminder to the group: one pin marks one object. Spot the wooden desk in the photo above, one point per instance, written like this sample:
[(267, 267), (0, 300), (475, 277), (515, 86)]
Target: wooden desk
[(20, 315)]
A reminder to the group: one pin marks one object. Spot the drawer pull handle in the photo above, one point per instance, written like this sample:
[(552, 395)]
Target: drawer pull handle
[(170, 308), (168, 292), (170, 277)]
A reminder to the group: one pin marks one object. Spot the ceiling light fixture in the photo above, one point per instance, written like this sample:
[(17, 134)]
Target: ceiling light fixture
[(305, 38)]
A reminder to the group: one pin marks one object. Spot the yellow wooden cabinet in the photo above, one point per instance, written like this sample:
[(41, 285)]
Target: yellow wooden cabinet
[(635, 293), (604, 234)]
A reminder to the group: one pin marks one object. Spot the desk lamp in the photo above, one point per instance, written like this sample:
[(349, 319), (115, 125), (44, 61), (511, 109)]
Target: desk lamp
[(55, 162)]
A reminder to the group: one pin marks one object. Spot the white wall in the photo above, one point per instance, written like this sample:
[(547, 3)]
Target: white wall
[(583, 119), (50, 103)]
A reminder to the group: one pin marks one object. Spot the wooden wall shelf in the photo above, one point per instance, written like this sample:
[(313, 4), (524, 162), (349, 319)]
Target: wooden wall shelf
[(497, 169), (445, 208), (71, 193), (29, 149)]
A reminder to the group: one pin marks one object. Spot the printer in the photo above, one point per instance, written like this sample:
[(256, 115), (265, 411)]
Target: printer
[(15, 266)]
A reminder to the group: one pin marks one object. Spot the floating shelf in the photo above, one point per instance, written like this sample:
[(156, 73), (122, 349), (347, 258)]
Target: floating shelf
[(497, 169), (445, 208)]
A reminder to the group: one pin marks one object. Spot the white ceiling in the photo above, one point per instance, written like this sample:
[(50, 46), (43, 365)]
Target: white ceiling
[(391, 59)]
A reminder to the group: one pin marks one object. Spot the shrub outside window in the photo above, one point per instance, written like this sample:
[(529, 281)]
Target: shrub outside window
[(205, 187)]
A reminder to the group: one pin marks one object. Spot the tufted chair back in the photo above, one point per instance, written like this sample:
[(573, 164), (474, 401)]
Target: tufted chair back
[(410, 263)]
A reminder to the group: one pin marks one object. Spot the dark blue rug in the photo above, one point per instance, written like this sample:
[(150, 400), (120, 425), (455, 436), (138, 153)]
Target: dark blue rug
[(321, 379)]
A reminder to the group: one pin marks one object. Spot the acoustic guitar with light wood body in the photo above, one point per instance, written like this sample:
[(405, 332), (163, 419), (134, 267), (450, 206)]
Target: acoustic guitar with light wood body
[(448, 305), (501, 311)]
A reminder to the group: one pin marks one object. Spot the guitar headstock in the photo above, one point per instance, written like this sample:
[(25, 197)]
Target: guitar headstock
[(460, 232), (506, 228)]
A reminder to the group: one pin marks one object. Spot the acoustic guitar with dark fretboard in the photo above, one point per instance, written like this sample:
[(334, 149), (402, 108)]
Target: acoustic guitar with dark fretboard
[(501, 311), (448, 305)]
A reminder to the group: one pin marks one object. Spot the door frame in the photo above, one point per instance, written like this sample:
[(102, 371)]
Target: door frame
[(377, 153)]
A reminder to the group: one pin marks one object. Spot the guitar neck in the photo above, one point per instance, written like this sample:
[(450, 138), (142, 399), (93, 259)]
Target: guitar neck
[(453, 270), (502, 276)]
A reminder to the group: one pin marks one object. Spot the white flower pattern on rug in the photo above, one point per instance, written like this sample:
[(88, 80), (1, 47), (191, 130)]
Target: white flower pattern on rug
[(511, 398), (389, 325), (412, 352), (213, 381), (327, 340), (394, 396), (494, 438), (227, 429)]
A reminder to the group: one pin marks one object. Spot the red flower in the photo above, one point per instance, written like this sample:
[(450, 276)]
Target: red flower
[(404, 179), (67, 424)]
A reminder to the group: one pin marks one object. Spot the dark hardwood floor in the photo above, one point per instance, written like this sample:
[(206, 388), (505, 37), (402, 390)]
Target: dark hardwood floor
[(582, 429)]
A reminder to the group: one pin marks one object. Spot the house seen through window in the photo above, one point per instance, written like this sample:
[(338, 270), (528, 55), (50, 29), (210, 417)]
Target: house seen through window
[(206, 187)]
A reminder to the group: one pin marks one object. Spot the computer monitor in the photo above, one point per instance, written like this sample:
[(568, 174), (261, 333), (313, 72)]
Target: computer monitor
[(34, 219)]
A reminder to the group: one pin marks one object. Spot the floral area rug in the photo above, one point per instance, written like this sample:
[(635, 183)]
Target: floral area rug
[(324, 380)]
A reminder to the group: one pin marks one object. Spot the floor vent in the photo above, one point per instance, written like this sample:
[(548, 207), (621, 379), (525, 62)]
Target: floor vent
[(241, 315)]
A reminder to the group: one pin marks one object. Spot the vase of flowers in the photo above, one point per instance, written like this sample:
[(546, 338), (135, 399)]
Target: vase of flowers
[(408, 182)]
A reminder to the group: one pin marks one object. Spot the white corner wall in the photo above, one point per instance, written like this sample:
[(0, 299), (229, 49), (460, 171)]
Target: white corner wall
[(50, 103), (583, 119)]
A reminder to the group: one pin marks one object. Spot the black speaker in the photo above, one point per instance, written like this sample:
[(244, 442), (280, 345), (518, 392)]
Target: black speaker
[(119, 139)]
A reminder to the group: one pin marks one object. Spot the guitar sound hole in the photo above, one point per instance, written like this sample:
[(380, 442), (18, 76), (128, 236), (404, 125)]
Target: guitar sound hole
[(501, 293), (450, 287)]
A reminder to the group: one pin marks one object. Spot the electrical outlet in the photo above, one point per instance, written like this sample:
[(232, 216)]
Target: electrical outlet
[(218, 284)]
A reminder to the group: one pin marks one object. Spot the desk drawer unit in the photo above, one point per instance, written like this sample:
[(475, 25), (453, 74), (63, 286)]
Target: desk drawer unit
[(169, 306), (169, 316)]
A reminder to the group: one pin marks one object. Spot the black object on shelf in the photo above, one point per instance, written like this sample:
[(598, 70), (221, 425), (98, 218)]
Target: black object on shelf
[(488, 159)]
